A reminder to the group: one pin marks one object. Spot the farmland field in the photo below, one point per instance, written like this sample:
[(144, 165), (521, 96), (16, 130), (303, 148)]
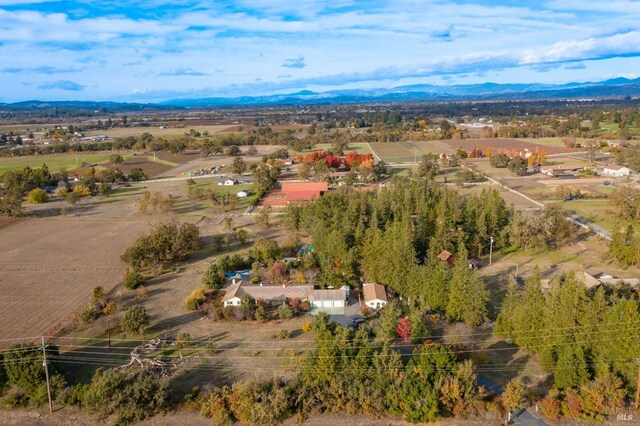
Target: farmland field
[(359, 147), (507, 145), (122, 132), (49, 267), (408, 152), (146, 163), (54, 162), (551, 141)]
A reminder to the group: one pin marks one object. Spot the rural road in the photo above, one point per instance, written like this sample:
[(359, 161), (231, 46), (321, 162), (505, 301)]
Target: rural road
[(522, 417)]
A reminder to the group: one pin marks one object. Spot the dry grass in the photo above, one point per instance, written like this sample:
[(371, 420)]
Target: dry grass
[(49, 267), (121, 132)]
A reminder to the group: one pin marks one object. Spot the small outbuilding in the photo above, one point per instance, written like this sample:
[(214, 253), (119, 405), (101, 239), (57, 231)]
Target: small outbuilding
[(375, 296), (243, 194)]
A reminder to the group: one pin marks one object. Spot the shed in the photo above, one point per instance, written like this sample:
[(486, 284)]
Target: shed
[(375, 295)]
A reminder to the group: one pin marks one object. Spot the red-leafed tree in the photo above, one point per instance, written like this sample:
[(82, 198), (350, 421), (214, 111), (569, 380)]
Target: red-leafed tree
[(333, 161), (351, 160), (277, 273), (404, 329)]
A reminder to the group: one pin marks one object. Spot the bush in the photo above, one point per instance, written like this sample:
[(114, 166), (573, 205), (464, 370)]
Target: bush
[(283, 334), (135, 320), (571, 406), (133, 280), (550, 406), (142, 293), (260, 314), (285, 312), (131, 397), (195, 299), (215, 405), (183, 340), (110, 308), (518, 166), (307, 326), (261, 403), (228, 312), (37, 196), (25, 373), (499, 160)]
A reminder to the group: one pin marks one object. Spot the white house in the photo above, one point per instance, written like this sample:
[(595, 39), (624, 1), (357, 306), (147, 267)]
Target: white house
[(616, 171), (375, 296), (227, 182), (243, 194), (328, 298)]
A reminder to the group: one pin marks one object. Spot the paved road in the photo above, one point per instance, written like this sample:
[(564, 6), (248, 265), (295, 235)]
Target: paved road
[(490, 385), (581, 221), (525, 417)]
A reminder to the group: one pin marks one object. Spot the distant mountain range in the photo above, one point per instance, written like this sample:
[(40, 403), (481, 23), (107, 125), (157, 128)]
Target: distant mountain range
[(615, 88)]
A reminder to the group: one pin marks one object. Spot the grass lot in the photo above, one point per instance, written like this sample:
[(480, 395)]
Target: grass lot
[(597, 211), (408, 152), (205, 207), (553, 141), (359, 147), (55, 162)]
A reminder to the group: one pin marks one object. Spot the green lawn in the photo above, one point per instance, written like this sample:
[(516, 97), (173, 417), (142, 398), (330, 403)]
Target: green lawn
[(359, 147), (597, 211), (552, 141), (55, 162)]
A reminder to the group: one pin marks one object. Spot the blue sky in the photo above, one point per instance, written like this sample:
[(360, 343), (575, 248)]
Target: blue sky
[(146, 50)]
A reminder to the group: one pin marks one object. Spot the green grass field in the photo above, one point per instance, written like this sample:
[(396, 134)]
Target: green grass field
[(408, 152), (55, 162), (597, 211), (359, 147), (553, 141)]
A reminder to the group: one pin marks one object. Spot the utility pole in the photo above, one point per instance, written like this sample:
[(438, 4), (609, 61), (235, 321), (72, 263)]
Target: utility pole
[(490, 251), (46, 373)]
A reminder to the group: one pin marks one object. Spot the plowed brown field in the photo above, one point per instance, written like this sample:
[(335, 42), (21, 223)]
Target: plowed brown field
[(49, 267)]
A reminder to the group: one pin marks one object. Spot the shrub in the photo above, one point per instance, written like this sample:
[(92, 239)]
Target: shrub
[(228, 312), (37, 196), (133, 280), (142, 293), (285, 312), (261, 403), (25, 373), (195, 299), (215, 405), (499, 160), (110, 308), (307, 326), (131, 397), (216, 312), (550, 406), (81, 190), (183, 340), (135, 320), (260, 314), (571, 406), (283, 334)]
